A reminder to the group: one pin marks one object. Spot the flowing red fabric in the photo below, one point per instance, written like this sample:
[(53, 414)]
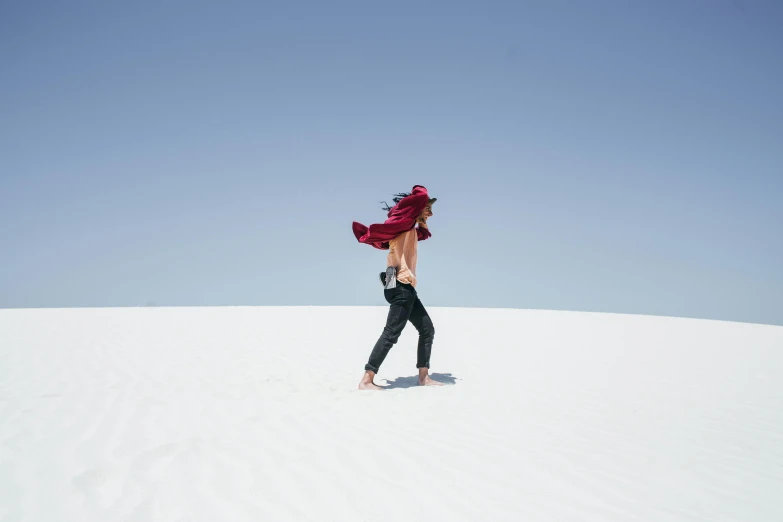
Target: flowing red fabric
[(401, 218)]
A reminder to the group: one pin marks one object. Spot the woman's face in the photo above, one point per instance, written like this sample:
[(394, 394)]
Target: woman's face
[(427, 212)]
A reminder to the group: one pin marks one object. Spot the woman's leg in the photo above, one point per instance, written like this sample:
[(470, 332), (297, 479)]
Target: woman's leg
[(421, 320), (401, 300)]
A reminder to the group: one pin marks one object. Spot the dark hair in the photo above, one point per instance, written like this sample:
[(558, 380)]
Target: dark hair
[(397, 198)]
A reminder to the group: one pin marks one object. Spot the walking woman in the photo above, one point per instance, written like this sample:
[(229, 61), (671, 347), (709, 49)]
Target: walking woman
[(399, 234)]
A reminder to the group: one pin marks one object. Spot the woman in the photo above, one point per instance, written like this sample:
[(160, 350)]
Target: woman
[(399, 234)]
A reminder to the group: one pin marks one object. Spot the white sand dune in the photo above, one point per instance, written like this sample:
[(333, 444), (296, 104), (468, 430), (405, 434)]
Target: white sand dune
[(234, 414)]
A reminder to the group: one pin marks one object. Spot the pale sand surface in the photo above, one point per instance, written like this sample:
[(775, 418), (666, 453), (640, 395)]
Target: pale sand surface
[(251, 414)]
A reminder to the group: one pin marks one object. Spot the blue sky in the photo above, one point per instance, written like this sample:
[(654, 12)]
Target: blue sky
[(601, 156)]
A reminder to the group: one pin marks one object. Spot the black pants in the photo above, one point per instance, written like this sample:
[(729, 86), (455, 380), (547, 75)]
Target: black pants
[(405, 306)]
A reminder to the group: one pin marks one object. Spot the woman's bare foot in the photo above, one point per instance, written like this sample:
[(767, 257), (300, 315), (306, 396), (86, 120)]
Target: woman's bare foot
[(367, 382), (425, 380)]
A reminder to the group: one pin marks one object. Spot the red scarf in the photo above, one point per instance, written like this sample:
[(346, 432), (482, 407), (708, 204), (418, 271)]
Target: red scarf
[(401, 218)]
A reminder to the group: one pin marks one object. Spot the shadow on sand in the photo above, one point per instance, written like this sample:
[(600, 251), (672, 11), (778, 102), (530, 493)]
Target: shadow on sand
[(413, 381)]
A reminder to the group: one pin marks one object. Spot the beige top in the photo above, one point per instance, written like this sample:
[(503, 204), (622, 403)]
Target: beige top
[(403, 251)]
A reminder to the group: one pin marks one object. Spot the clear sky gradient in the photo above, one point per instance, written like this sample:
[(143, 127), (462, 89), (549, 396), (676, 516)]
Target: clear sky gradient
[(621, 156)]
